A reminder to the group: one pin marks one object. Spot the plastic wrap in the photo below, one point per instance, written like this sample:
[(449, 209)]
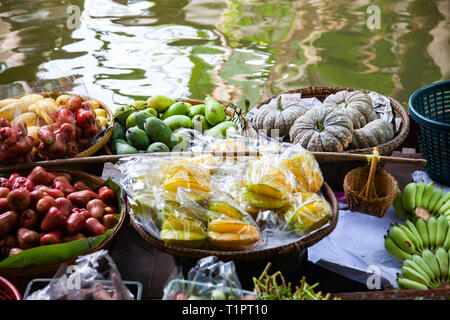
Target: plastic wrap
[(93, 277), (227, 202), (209, 279)]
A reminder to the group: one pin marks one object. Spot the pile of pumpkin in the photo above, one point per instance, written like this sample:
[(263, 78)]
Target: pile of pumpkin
[(346, 120)]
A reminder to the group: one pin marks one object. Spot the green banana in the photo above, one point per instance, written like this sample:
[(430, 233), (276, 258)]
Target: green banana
[(394, 249), (446, 244), (411, 264), (442, 258), (398, 205), (427, 193), (418, 260), (440, 203), (412, 238), (419, 192), (442, 229), (409, 196), (416, 234), (445, 207), (401, 239), (408, 284), (432, 262), (434, 199), (410, 273), (423, 231), (432, 232)]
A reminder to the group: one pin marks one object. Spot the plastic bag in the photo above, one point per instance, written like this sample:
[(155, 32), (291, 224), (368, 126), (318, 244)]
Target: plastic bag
[(225, 201), (209, 279), (93, 277)]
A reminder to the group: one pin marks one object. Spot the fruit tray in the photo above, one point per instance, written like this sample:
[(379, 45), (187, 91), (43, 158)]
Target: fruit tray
[(86, 145), (37, 284), (248, 254), (48, 265)]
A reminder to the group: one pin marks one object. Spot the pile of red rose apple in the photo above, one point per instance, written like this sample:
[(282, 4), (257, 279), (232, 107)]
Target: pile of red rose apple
[(48, 208)]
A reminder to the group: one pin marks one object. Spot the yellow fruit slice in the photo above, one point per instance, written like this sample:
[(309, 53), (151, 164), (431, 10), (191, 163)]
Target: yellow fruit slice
[(183, 239), (306, 170), (272, 189), (224, 208), (309, 216), (186, 225), (262, 201)]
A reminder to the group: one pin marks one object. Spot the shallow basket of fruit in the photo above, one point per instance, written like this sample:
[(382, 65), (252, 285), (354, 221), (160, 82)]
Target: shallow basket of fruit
[(238, 208), (344, 120), (152, 125), (50, 217), (50, 125)]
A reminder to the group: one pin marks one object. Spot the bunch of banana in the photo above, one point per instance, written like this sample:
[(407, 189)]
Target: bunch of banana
[(420, 200), (425, 271), (403, 241)]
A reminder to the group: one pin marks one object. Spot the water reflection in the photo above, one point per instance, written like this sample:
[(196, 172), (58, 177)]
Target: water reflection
[(232, 49)]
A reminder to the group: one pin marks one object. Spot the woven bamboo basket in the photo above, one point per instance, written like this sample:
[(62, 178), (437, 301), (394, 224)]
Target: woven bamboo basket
[(385, 185), (334, 173), (102, 137), (229, 111), (248, 255), (20, 277)]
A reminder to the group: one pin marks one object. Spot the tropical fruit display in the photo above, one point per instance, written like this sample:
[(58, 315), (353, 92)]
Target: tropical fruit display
[(214, 202), (46, 208), (35, 127), (427, 270), (150, 126), (418, 200)]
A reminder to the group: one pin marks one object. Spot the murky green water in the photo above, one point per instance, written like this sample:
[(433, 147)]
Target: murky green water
[(233, 50)]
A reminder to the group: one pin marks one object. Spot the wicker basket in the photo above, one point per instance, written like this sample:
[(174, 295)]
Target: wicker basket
[(103, 136), (22, 276), (334, 173), (249, 255), (231, 112), (385, 185)]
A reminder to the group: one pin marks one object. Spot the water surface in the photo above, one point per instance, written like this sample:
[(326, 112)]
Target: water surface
[(232, 50)]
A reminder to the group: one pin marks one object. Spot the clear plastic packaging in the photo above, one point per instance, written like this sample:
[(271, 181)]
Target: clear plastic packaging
[(209, 279), (93, 277), (222, 201)]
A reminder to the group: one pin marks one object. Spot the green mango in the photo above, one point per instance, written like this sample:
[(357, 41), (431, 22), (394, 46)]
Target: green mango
[(131, 120), (157, 147), (120, 146), (199, 123), (152, 111), (137, 138), (214, 111), (158, 130), (198, 109), (160, 102), (220, 130), (178, 143), (140, 104), (178, 121), (141, 116), (122, 112), (119, 132), (178, 108)]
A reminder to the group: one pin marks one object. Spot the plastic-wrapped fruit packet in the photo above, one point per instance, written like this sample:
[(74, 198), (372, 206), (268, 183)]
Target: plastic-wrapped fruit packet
[(173, 198), (209, 279), (92, 277)]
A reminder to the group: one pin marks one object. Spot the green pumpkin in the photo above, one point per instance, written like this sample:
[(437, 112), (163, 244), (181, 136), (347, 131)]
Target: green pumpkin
[(322, 129), (357, 105)]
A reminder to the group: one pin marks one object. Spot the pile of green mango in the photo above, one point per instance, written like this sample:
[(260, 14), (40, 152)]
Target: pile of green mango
[(148, 126)]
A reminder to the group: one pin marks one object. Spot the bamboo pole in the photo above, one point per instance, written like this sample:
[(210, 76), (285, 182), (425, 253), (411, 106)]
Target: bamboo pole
[(320, 156)]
